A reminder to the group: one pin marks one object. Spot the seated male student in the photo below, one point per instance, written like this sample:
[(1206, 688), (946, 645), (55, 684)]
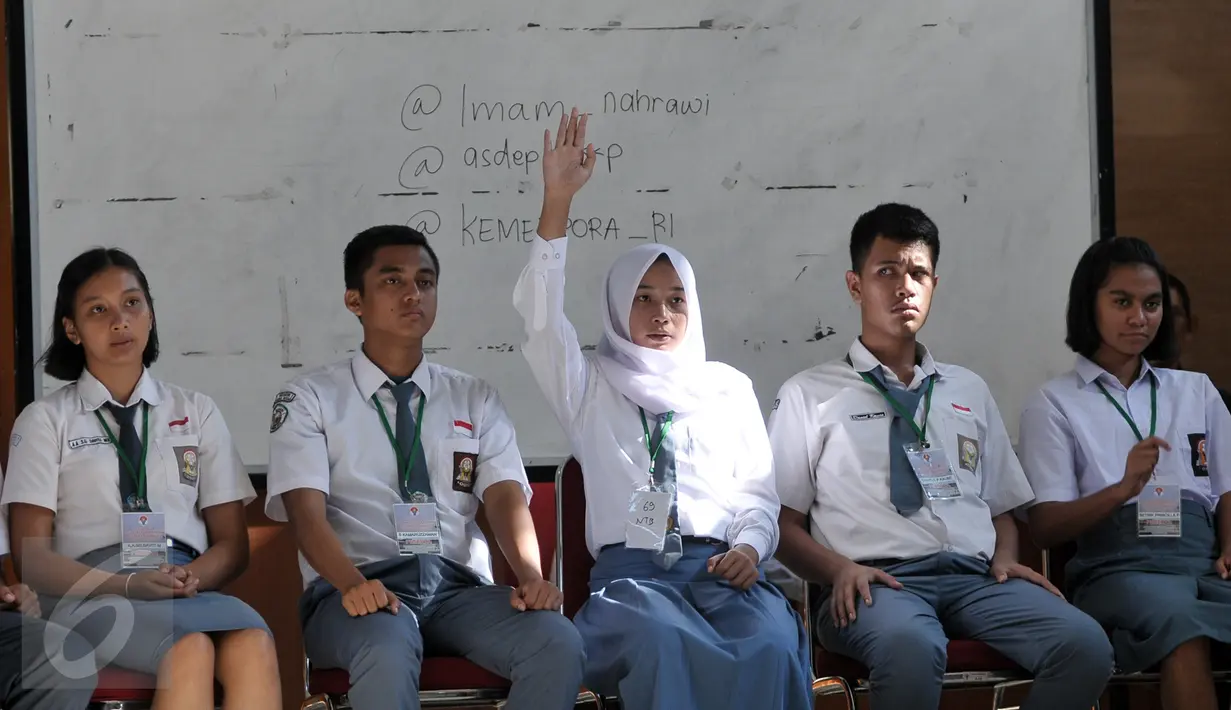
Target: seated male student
[(898, 482), (381, 462), (1185, 323)]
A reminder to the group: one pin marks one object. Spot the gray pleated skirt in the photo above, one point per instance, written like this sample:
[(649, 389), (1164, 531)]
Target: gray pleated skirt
[(1152, 594), (136, 634)]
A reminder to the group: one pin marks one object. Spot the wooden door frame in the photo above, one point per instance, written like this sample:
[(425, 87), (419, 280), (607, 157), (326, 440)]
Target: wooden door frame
[(8, 311), (1100, 72), (16, 298)]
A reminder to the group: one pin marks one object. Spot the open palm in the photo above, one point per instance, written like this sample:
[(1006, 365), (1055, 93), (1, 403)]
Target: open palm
[(569, 163)]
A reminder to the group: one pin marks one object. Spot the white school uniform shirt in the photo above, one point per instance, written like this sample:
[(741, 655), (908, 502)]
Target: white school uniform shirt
[(830, 435), (328, 437), (1074, 443), (724, 469), (61, 459)]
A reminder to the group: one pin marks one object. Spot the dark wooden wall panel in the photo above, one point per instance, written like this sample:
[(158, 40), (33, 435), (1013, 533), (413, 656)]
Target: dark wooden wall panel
[(1171, 87)]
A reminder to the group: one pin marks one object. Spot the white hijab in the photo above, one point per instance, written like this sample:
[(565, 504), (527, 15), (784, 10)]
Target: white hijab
[(660, 381)]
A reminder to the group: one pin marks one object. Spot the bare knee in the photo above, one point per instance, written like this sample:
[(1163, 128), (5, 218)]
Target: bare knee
[(191, 656), (249, 643), (193, 648)]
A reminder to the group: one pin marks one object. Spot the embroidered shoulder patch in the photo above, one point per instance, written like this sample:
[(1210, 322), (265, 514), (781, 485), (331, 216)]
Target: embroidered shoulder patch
[(279, 417)]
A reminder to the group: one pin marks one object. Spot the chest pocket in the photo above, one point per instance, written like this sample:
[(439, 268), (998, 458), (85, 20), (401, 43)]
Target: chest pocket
[(963, 443), (455, 469), (180, 470)]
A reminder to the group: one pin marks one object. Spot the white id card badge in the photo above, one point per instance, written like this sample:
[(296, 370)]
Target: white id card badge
[(646, 527), (1158, 511), (418, 528), (934, 472), (143, 538)]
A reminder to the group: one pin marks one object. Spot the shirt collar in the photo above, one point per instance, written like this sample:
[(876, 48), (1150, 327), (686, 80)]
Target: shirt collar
[(1089, 371), (94, 394), (369, 378), (863, 360)]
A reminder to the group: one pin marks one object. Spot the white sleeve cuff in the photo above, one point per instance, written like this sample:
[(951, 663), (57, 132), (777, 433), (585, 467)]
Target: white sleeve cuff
[(549, 254), (757, 540)]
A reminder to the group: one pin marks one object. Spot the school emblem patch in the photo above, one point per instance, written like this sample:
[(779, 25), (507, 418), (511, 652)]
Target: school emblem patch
[(463, 472), (1201, 467), (186, 459), (279, 418), (968, 453)]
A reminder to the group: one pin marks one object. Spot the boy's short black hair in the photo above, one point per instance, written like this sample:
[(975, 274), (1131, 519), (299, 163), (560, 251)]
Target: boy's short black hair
[(361, 251), (1090, 275), (901, 223), (64, 359)]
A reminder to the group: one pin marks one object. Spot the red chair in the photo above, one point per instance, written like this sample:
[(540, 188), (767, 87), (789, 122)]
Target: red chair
[(573, 562), (122, 689), (449, 681)]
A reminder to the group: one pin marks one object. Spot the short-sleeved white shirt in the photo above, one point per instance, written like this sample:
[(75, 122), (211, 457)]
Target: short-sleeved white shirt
[(61, 459), (327, 435), (830, 436), (1074, 443)]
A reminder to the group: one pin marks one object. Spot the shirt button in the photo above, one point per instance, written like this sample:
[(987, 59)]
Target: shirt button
[(949, 548), (557, 256), (544, 257)]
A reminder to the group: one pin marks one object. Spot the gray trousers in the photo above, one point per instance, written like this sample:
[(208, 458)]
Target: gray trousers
[(29, 679), (447, 610), (902, 637)]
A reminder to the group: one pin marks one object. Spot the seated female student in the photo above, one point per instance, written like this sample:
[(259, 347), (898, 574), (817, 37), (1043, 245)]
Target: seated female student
[(121, 484), (679, 615), (1133, 462)]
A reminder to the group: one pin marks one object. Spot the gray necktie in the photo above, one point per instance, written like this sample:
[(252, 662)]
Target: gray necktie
[(664, 477), (419, 481), (904, 490)]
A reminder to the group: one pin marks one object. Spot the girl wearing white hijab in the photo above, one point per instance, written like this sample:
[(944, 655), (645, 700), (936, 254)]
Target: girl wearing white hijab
[(679, 614)]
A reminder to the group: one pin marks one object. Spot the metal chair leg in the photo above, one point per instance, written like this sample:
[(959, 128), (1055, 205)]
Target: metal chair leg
[(317, 702), (998, 693), (833, 685)]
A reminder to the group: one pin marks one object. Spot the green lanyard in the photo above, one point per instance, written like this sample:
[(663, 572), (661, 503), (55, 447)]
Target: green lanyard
[(138, 471), (920, 432), (1127, 418), (404, 464), (654, 450)]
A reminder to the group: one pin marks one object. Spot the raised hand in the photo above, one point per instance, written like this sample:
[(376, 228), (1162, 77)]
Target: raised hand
[(567, 164)]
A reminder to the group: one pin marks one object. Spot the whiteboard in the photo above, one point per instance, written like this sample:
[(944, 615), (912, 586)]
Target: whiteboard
[(235, 146)]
